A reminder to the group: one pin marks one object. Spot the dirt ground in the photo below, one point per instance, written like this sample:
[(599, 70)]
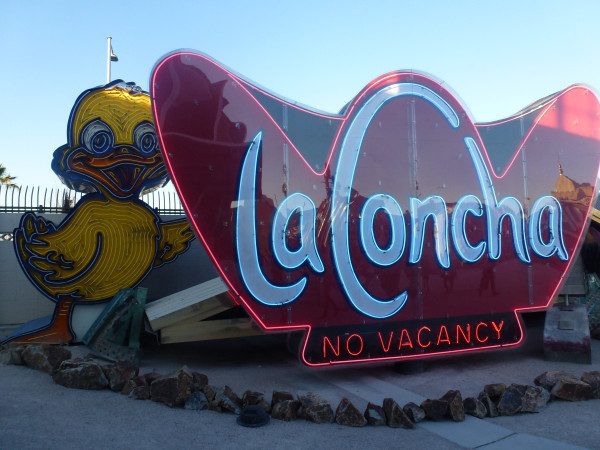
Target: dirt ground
[(36, 413)]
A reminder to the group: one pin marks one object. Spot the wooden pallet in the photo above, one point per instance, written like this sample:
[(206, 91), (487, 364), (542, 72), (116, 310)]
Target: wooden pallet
[(595, 215), (208, 330), (188, 315)]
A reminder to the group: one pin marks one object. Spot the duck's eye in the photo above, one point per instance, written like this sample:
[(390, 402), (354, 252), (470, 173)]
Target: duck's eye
[(97, 137), (144, 137)]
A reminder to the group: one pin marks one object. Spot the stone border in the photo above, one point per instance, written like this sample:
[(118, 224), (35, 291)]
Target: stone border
[(191, 390)]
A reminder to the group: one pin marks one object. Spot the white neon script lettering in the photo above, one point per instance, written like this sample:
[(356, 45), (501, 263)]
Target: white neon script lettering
[(421, 210)]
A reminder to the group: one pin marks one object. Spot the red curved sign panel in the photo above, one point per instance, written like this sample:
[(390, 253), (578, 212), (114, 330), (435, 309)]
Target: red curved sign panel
[(398, 228)]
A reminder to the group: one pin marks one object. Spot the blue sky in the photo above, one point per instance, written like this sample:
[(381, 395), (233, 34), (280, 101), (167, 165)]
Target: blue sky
[(497, 56)]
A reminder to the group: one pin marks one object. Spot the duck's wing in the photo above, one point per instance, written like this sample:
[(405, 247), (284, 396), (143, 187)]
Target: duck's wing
[(175, 238), (51, 254)]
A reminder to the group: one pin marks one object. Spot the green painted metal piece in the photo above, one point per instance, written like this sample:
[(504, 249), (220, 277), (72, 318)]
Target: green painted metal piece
[(593, 304), (115, 335)]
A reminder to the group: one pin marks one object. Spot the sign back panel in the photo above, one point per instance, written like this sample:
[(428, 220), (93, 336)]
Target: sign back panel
[(398, 228)]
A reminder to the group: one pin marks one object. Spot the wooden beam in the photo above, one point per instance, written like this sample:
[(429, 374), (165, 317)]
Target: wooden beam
[(198, 302), (205, 310), (208, 330), (595, 215)]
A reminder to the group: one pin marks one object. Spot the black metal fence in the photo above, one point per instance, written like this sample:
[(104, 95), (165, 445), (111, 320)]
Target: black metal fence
[(62, 200)]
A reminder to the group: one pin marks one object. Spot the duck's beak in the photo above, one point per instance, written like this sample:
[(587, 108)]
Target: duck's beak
[(121, 171)]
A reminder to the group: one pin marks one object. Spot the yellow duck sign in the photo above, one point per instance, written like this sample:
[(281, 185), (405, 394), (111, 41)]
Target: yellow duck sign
[(111, 239)]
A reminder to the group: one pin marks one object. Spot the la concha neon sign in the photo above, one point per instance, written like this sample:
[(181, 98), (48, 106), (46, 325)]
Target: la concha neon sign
[(395, 229)]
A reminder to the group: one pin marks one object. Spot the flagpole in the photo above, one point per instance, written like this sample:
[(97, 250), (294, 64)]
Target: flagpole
[(108, 47)]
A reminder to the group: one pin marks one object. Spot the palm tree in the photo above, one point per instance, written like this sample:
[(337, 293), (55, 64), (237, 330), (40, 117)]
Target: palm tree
[(6, 179)]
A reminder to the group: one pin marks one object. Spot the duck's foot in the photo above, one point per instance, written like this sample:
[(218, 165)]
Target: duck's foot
[(58, 331)]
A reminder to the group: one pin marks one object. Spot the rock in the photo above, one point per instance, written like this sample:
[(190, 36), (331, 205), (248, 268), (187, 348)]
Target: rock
[(118, 374), (199, 380), (45, 357), (522, 398), (80, 375), (374, 414), (286, 410), (572, 390), (511, 401), (172, 390), (456, 410), (435, 409), (490, 406), (151, 377), (414, 412), (547, 380), (315, 408), (196, 401), (140, 393), (72, 363), (593, 379), (395, 416), (12, 356), (210, 392), (494, 391), (534, 399), (132, 384), (520, 388), (255, 398), (348, 415), (280, 396), (227, 400), (475, 407)]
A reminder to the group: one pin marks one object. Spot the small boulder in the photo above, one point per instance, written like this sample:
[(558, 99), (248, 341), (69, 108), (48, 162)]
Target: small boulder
[(315, 408), (490, 406), (118, 374), (511, 401), (151, 377), (414, 412), (199, 380), (12, 356), (280, 396), (395, 416), (534, 399), (251, 398), (593, 379), (72, 363), (132, 384), (210, 392), (286, 410), (374, 414), (196, 401), (172, 390), (80, 375), (227, 400), (547, 380), (140, 393), (456, 410), (348, 415), (435, 409), (572, 390), (521, 388), (494, 391), (45, 357), (474, 407)]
